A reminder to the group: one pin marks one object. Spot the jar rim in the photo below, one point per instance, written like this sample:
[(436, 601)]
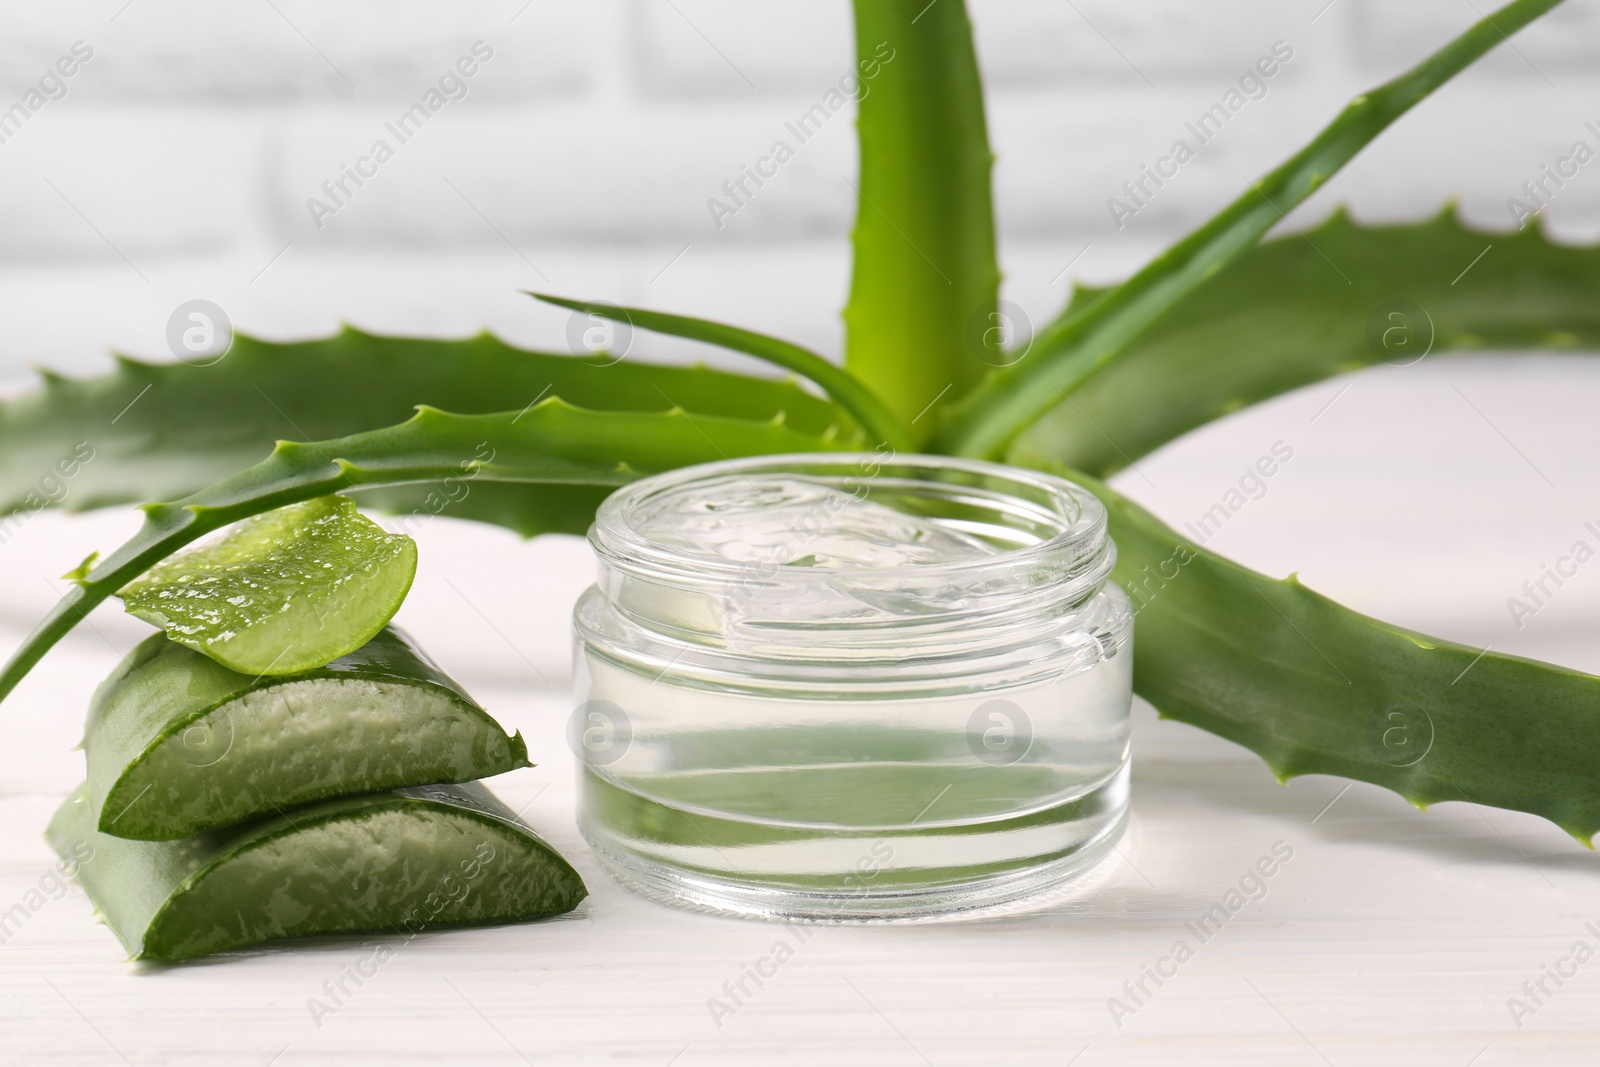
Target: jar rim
[(1079, 515)]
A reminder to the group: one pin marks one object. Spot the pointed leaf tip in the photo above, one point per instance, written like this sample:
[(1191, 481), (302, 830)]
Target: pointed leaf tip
[(558, 301)]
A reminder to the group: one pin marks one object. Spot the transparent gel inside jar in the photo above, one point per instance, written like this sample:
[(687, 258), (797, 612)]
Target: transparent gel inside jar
[(845, 686)]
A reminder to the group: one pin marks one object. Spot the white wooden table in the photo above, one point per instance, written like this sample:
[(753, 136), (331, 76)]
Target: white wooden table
[(1390, 936)]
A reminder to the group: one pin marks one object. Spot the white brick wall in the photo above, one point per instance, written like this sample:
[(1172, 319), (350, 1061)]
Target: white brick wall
[(1159, 42), (241, 54), (731, 49), (1562, 43), (188, 146)]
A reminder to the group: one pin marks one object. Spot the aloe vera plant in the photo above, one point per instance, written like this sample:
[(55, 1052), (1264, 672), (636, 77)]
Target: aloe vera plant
[(1221, 320)]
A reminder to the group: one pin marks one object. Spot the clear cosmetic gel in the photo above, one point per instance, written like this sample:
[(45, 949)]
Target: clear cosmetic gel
[(848, 686)]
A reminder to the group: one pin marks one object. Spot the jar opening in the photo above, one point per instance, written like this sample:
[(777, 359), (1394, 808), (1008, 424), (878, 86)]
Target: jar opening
[(775, 552), (964, 514)]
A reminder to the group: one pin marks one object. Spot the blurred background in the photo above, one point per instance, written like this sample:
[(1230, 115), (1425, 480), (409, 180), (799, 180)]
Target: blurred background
[(186, 156)]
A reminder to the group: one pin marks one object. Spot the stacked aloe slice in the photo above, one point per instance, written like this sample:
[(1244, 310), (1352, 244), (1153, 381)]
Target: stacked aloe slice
[(280, 761)]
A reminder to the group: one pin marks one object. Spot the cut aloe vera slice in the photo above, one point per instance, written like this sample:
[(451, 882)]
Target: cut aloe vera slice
[(283, 592), (177, 743), (401, 861)]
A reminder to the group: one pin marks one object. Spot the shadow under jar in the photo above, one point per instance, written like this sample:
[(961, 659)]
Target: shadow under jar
[(846, 686)]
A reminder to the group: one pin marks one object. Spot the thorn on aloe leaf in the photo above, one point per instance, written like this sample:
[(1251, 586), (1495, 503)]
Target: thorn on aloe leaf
[(79, 574), (128, 363)]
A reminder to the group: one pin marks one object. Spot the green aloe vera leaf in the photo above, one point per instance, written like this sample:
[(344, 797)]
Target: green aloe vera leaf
[(1060, 357), (178, 743), (162, 431), (283, 592), (1279, 317), (551, 442), (1315, 688), (837, 382), (926, 283), (526, 508), (393, 862)]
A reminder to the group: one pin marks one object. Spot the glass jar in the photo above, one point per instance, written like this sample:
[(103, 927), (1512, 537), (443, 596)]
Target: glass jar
[(850, 686)]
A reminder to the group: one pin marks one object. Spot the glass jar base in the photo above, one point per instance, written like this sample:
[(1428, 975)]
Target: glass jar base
[(876, 895)]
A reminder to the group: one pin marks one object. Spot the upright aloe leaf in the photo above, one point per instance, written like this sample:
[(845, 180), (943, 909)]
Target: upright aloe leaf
[(1315, 688), (1075, 347), (925, 286), (1279, 318), (550, 443)]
